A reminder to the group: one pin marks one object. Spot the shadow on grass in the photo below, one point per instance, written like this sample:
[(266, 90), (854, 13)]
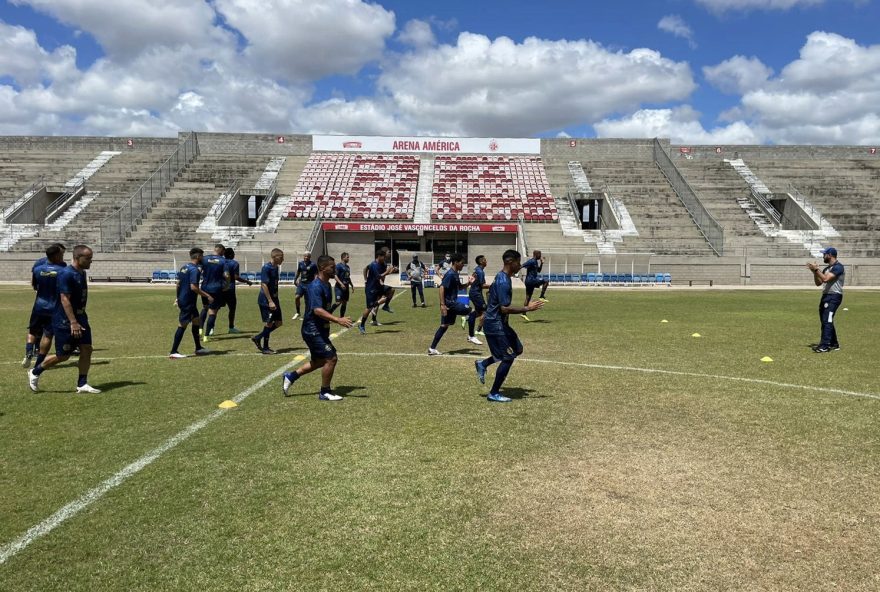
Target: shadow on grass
[(520, 393), (119, 384), (346, 391), (465, 351), (387, 323), (535, 321)]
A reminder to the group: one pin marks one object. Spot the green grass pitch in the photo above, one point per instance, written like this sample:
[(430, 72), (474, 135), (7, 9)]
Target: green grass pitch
[(633, 457)]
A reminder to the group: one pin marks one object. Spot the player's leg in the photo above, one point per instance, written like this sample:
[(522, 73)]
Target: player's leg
[(445, 321), (544, 289), (85, 364), (232, 304), (412, 289)]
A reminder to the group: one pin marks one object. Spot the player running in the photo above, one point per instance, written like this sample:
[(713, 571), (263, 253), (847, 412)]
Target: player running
[(188, 292), (306, 271), (213, 281), (44, 279), (475, 293), (533, 268), (377, 294), (449, 305), (270, 305), (344, 286)]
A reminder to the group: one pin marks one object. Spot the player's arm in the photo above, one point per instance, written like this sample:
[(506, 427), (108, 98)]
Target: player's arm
[(265, 288), (75, 327), (443, 309), (34, 280), (342, 321), (507, 309), (242, 280)]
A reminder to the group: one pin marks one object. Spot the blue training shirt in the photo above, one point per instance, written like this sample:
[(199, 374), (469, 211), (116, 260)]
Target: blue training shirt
[(186, 275), (232, 272), (306, 272), (45, 280), (213, 269), (318, 295), (451, 284), (343, 276), (476, 289), (74, 284), (500, 294), (374, 277), (268, 276), (531, 266)]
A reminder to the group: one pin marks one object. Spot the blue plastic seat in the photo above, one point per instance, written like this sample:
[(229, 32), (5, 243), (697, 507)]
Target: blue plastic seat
[(667, 277)]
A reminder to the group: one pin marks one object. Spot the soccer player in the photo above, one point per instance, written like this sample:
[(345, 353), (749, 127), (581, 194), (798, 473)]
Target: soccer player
[(44, 279), (344, 286), (475, 293), (213, 281), (831, 278), (316, 332), (70, 323), (375, 291), (306, 271), (233, 276), (270, 305), (188, 291), (533, 267), (444, 266), (503, 340), (30, 343), (416, 272), (449, 305)]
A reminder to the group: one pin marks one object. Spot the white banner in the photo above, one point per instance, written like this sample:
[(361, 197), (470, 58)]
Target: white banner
[(422, 144)]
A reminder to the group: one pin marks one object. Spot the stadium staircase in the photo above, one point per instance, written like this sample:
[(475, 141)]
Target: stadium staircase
[(424, 191)]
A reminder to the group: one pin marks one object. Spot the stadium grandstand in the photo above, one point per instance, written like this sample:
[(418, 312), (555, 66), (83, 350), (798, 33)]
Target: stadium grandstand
[(602, 211)]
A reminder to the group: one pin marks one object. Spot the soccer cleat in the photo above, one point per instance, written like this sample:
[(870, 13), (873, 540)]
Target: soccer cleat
[(542, 299), (205, 339), (234, 330), (329, 397), (387, 308), (202, 352), (33, 381), (362, 329), (376, 324), (201, 331), (822, 349), (464, 322), (526, 318), (481, 371), (176, 356), (26, 362), (87, 388), (423, 305), (414, 304), (834, 347), (294, 317), (475, 341), (287, 382), (256, 342), (480, 333), (498, 398), (268, 351), (433, 352), (211, 333)]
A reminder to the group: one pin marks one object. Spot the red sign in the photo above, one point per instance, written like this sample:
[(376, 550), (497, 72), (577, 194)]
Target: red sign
[(684, 150), (718, 150), (352, 144), (412, 227), (872, 151), (280, 139), (573, 143), (130, 143)]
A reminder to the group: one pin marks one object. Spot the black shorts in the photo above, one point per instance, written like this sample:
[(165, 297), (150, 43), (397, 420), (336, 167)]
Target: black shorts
[(454, 310), (505, 347), (373, 298), (40, 324), (66, 343), (218, 302), (188, 314), (342, 294), (270, 316), (479, 304), (230, 299), (319, 345)]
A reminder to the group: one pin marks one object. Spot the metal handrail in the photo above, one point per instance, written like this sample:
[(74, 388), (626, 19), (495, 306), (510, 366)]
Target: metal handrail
[(768, 208), (26, 196), (313, 237), (53, 207), (521, 233), (227, 197), (264, 207)]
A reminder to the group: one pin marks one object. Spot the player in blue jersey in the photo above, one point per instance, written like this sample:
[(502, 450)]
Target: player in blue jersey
[(533, 279), (377, 294), (475, 293), (502, 339), (316, 332), (831, 278), (233, 276), (188, 293), (70, 323), (306, 270), (344, 286), (449, 305), (44, 275), (213, 280), (270, 305)]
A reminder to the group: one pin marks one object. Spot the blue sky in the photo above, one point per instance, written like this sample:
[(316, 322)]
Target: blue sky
[(698, 71)]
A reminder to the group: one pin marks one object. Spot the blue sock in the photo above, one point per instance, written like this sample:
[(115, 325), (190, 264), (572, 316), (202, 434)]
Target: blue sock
[(438, 336), (488, 362), (40, 358), (500, 375), (266, 332), (202, 316), (342, 310), (326, 389), (178, 337), (471, 321), (196, 339), (210, 327), (83, 378), (38, 370), (29, 349)]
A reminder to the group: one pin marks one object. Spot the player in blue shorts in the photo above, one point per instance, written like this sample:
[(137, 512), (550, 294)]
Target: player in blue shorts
[(44, 276), (503, 340), (475, 294), (316, 332), (344, 286), (533, 279), (70, 323), (213, 281), (188, 292), (449, 305), (306, 270), (233, 276), (270, 305), (377, 294)]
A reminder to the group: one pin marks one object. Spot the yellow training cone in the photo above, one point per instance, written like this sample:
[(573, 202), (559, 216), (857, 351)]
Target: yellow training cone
[(696, 335), (664, 321), (227, 405), (766, 359), (298, 358)]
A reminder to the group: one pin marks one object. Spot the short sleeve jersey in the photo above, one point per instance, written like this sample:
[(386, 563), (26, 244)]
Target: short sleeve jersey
[(374, 277), (232, 272), (46, 282), (318, 295), (343, 275), (186, 275), (213, 270), (39, 262), (476, 289), (306, 271), (268, 276), (531, 266), (416, 271), (451, 285), (500, 294), (74, 285), (835, 287)]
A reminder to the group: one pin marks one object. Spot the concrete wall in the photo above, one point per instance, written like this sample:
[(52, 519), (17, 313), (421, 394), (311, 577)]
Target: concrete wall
[(294, 144), (490, 245), (357, 244), (79, 143), (560, 149), (777, 152)]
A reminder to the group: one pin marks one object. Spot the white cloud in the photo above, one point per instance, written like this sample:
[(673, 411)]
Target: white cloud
[(417, 34), (720, 6), (681, 125), (358, 117), (738, 74), (22, 57), (674, 24)]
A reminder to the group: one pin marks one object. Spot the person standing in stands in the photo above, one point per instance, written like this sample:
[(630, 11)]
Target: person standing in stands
[(316, 332), (831, 278), (416, 271), (188, 291), (233, 276), (533, 279), (449, 305), (374, 289), (475, 293), (44, 279), (504, 343), (213, 281), (306, 271), (270, 305), (344, 287), (70, 323)]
